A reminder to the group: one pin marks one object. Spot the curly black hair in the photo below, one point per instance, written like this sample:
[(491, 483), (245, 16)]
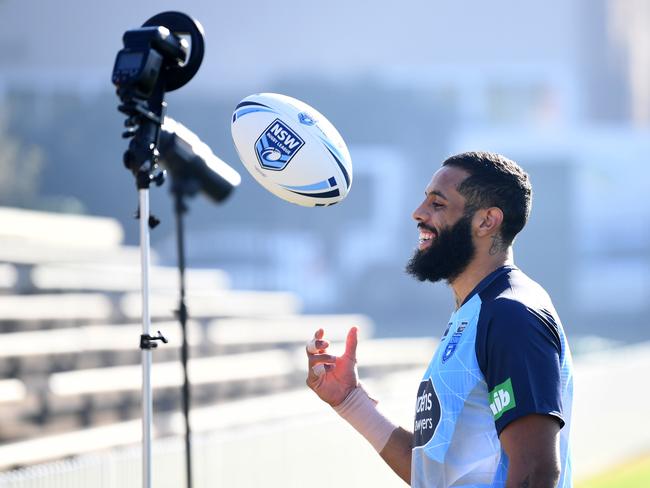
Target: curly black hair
[(495, 181)]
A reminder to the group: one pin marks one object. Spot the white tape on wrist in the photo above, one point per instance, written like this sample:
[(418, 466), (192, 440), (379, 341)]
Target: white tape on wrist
[(361, 412)]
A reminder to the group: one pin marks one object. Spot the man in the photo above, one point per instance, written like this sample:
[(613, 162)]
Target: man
[(494, 406)]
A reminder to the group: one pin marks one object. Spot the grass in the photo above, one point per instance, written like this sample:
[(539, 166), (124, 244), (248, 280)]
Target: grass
[(632, 475)]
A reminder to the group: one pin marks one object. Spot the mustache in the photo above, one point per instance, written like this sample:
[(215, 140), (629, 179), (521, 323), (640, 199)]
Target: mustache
[(422, 226)]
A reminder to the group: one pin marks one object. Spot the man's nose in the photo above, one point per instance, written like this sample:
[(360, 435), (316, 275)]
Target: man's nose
[(419, 214)]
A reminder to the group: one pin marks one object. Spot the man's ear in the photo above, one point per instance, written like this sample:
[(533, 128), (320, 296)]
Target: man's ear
[(488, 221)]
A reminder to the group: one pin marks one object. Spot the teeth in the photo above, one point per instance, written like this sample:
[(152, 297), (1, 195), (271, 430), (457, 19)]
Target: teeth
[(425, 236)]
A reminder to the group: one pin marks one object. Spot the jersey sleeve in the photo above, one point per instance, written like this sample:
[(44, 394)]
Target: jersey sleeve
[(518, 350)]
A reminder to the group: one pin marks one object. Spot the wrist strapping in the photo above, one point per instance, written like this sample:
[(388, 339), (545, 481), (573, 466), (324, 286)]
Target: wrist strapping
[(361, 412)]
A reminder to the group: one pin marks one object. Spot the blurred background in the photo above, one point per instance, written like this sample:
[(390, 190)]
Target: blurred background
[(561, 87)]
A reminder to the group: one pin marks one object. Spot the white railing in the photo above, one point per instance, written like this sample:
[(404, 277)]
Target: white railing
[(287, 453)]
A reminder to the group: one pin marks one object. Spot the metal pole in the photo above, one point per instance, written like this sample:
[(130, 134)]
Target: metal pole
[(147, 403), (182, 317)]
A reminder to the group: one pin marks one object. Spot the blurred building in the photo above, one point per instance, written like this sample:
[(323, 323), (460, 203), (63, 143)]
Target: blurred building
[(614, 61), (628, 23), (405, 86)]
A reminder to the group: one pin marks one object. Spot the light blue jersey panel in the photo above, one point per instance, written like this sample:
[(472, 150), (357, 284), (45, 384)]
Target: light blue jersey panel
[(503, 356), (456, 441)]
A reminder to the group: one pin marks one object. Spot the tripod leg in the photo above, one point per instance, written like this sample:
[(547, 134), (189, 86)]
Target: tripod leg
[(147, 402)]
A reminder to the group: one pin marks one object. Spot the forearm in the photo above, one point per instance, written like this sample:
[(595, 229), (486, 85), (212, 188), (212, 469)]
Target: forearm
[(533, 476), (392, 442), (397, 453), (532, 444)]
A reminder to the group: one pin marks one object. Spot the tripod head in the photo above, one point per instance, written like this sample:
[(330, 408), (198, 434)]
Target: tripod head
[(155, 60)]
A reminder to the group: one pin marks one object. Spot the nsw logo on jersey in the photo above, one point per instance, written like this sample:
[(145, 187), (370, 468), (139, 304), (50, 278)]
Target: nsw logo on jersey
[(427, 413), (277, 145), (502, 399), (453, 342)]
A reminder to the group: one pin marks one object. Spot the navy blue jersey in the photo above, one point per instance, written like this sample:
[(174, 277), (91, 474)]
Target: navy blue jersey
[(503, 356)]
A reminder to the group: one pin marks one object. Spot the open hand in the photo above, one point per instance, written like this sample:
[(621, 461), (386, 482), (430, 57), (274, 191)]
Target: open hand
[(332, 377)]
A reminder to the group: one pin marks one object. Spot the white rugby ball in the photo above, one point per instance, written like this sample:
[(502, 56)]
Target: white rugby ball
[(292, 150)]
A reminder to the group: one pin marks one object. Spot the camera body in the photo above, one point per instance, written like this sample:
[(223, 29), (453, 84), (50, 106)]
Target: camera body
[(147, 51), (155, 59)]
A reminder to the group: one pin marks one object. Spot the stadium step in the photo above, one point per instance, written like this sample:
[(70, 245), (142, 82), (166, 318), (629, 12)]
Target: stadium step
[(245, 367), (241, 333), (66, 230), (46, 351), (71, 308), (124, 278), (220, 303), (61, 309)]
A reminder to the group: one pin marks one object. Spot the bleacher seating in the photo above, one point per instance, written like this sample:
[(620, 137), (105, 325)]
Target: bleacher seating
[(254, 333), (8, 276), (70, 371), (88, 346), (32, 311), (230, 414), (121, 278), (240, 368), (12, 390), (30, 237), (206, 305)]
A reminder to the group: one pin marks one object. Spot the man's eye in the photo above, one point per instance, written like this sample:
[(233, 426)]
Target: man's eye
[(436, 205)]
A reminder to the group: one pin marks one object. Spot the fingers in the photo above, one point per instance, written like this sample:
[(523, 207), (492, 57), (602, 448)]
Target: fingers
[(351, 344), (316, 346), (315, 359), (319, 362), (319, 369)]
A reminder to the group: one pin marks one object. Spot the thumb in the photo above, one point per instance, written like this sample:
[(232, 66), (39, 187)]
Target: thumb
[(351, 344)]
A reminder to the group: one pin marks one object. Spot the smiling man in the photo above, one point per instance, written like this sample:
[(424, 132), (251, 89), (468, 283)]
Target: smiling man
[(493, 408)]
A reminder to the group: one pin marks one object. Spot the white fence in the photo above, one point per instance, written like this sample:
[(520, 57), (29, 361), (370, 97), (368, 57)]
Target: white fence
[(310, 446)]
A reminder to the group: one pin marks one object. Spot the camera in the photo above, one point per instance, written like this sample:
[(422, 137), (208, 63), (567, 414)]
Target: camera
[(156, 59), (138, 66)]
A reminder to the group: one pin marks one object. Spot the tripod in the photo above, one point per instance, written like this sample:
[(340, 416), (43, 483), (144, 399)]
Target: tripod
[(180, 188), (154, 60)]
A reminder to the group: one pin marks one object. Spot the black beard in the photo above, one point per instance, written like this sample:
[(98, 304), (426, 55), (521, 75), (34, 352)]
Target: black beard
[(447, 257)]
